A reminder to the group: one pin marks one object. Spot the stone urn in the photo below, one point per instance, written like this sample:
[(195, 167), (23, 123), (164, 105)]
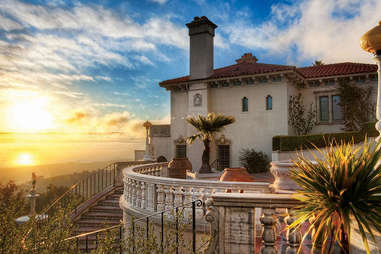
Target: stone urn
[(280, 170), (236, 175), (177, 168)]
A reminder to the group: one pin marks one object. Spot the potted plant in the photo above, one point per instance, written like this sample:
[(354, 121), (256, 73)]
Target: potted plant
[(339, 192)]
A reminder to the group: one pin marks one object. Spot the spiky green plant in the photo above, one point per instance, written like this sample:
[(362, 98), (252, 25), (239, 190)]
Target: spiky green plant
[(206, 127), (338, 192)]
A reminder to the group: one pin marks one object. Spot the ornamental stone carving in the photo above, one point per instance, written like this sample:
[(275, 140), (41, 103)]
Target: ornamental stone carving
[(180, 141), (197, 100), (211, 216), (223, 141)]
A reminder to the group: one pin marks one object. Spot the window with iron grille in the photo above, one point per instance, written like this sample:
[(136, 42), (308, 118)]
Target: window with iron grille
[(181, 151), (223, 156)]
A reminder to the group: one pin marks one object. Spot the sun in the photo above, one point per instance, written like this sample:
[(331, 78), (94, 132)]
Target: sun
[(30, 115), (25, 159)]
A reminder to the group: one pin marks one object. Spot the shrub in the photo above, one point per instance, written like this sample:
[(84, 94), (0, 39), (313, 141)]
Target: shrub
[(292, 143), (253, 161)]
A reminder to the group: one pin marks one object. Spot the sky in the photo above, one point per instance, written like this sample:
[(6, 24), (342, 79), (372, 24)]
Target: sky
[(94, 66)]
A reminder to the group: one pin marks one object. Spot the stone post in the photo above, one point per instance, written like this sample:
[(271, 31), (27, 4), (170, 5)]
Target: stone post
[(378, 109)]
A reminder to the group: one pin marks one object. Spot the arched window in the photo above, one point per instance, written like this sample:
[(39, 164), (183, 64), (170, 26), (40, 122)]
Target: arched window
[(269, 102), (245, 104)]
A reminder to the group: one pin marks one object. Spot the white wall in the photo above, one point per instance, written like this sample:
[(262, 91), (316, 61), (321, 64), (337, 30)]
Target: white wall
[(255, 128)]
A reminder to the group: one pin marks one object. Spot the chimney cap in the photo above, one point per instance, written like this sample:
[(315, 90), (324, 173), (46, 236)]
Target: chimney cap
[(197, 21), (247, 58)]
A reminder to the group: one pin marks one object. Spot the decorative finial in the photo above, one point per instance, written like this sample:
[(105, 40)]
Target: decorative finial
[(371, 40)]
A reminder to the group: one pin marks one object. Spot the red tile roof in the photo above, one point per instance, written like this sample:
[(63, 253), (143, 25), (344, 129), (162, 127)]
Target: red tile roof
[(325, 70), (337, 69), (237, 70)]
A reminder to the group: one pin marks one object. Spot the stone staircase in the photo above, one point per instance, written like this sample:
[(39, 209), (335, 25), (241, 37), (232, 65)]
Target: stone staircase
[(102, 214)]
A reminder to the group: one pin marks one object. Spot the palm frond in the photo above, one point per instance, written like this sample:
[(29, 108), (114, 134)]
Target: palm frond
[(206, 126)]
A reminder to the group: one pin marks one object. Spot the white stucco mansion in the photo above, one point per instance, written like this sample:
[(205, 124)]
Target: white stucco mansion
[(255, 93)]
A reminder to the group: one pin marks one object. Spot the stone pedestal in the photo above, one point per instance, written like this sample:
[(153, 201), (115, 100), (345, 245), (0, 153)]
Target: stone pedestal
[(282, 183)]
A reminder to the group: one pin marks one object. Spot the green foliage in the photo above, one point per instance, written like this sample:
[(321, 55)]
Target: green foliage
[(318, 62), (12, 206), (138, 242), (298, 118), (35, 236), (339, 191), (206, 126), (292, 143), (254, 162), (356, 105)]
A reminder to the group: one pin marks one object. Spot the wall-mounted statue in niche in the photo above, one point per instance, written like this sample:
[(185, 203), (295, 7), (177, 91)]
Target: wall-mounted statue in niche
[(197, 100)]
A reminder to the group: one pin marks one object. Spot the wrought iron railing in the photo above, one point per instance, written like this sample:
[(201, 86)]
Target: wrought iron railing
[(94, 183), (174, 215)]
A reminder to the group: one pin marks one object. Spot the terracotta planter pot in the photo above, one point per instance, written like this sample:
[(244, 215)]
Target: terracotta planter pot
[(177, 168), (236, 175)]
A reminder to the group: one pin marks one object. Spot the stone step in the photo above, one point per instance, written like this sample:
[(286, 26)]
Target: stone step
[(107, 208), (105, 222), (109, 202), (101, 214), (114, 196)]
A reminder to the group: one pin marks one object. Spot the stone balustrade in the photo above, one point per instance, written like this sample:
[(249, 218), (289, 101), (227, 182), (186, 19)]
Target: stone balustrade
[(146, 191), (234, 228)]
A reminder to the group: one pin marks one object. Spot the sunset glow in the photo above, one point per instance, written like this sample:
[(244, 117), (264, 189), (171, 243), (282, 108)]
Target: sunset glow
[(25, 159), (30, 115)]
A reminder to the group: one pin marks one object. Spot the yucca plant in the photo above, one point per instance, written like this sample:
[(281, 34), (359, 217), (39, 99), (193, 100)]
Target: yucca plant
[(338, 192), (206, 127)]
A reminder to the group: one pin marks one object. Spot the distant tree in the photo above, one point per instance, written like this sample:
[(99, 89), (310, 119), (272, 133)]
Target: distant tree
[(206, 127), (301, 121), (318, 62), (356, 105)]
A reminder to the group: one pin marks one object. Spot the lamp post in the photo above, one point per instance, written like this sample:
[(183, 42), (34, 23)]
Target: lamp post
[(147, 155), (371, 42)]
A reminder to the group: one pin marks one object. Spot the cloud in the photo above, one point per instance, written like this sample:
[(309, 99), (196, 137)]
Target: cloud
[(159, 1), (310, 29), (77, 117), (90, 121)]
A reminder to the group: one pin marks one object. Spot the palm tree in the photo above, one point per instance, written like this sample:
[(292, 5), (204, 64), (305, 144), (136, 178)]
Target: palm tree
[(206, 126), (339, 191), (317, 63)]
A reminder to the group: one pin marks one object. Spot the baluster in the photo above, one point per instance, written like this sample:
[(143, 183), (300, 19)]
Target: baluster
[(293, 235), (178, 191), (134, 193), (187, 202), (150, 203), (130, 192), (138, 199), (143, 195), (168, 197), (268, 234), (160, 197)]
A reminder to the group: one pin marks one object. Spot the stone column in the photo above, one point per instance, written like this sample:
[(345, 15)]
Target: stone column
[(147, 155)]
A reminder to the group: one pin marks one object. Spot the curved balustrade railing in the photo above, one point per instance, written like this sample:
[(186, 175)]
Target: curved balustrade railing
[(147, 191)]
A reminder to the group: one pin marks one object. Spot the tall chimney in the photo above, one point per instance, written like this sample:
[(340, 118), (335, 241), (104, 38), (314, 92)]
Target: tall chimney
[(201, 33)]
